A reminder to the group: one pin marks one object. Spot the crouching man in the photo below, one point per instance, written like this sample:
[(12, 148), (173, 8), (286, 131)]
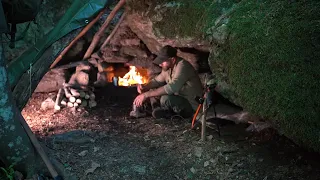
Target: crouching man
[(177, 86)]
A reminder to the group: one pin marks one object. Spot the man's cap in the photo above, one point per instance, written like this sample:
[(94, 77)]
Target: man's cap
[(165, 53)]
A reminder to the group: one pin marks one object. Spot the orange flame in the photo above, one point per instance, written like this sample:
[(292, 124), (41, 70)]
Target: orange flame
[(132, 77)]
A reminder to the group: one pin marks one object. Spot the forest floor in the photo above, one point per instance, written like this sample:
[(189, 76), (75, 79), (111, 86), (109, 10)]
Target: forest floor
[(105, 143)]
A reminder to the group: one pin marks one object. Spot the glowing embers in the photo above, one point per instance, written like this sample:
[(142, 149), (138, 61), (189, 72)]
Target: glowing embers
[(133, 77)]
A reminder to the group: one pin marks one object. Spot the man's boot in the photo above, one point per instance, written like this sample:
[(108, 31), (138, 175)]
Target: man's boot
[(159, 113), (137, 112)]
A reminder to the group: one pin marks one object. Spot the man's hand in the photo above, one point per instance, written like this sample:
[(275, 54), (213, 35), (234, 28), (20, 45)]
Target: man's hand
[(139, 100), (139, 88)]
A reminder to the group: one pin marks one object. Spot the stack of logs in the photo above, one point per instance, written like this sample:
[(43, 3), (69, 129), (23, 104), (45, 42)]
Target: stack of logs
[(74, 98), (78, 92)]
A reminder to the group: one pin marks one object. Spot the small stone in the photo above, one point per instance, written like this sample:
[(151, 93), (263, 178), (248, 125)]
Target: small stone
[(47, 104), (83, 153)]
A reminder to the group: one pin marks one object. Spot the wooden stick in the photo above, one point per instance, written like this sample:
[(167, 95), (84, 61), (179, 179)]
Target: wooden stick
[(83, 32), (113, 32), (98, 35), (70, 65), (204, 118), (39, 149), (67, 92), (60, 94)]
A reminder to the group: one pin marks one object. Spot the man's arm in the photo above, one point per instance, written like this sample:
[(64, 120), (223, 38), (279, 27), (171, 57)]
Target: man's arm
[(181, 76), (156, 82), (183, 72)]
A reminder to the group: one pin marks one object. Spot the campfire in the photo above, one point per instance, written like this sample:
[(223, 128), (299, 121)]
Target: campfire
[(133, 77)]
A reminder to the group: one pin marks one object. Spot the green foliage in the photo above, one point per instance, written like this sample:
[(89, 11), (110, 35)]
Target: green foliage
[(272, 62), (9, 172)]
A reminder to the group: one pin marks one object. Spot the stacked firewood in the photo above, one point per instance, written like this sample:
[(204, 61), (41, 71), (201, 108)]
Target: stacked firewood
[(74, 98), (78, 92)]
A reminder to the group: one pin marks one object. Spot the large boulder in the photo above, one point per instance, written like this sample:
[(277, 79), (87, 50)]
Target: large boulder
[(270, 62), (264, 54), (52, 81)]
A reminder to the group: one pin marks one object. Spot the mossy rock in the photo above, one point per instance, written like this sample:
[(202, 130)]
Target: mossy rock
[(271, 61), (267, 59), (181, 18)]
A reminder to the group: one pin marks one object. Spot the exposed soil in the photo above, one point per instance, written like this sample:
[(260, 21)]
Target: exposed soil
[(145, 148)]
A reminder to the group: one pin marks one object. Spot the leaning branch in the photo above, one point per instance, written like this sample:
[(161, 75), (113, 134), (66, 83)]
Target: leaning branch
[(82, 33), (98, 35), (113, 32)]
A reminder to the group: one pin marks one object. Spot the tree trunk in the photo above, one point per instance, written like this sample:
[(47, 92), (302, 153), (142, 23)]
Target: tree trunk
[(15, 145)]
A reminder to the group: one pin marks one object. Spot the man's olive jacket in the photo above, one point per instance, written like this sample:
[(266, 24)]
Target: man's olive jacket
[(182, 80)]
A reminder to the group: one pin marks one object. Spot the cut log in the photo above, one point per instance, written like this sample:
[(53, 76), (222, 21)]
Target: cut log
[(74, 92), (98, 35), (92, 96), (63, 103), (59, 99), (72, 99), (67, 92), (67, 66), (84, 103), (87, 96), (82, 94), (92, 103), (78, 101), (75, 104), (70, 104)]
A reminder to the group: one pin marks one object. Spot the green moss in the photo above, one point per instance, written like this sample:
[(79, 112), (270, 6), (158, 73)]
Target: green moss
[(272, 63), (182, 18)]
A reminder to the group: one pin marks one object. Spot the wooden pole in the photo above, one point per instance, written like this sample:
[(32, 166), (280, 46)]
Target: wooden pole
[(98, 35), (204, 117), (39, 149), (83, 32), (113, 32)]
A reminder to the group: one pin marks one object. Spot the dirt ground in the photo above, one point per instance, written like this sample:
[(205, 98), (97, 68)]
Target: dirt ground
[(105, 143)]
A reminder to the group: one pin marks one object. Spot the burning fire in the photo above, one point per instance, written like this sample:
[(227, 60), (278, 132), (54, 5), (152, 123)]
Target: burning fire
[(132, 77)]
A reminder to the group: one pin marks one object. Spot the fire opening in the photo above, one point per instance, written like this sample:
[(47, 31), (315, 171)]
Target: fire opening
[(124, 76), (133, 77)]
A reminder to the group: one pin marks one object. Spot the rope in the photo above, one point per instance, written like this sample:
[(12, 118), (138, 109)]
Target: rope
[(30, 78)]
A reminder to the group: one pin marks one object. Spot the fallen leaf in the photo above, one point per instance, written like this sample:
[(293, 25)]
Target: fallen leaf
[(83, 153), (205, 164), (95, 149), (192, 170), (140, 169), (94, 166), (198, 152), (209, 137)]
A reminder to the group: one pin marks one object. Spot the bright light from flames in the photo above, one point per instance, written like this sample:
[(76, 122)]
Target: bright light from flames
[(131, 78)]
